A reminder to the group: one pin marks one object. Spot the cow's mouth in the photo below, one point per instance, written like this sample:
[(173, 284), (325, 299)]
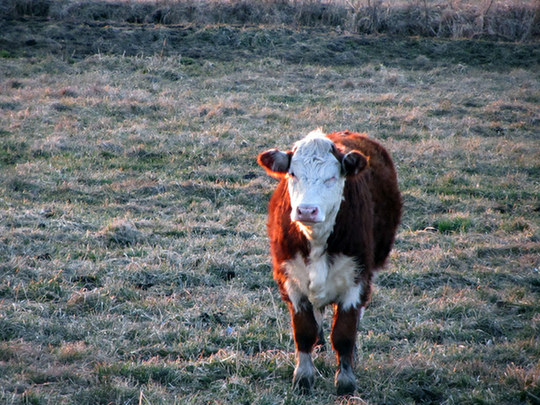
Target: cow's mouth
[(308, 222)]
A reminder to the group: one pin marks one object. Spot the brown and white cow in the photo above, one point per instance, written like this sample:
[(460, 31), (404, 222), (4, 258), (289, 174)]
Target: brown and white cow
[(332, 222)]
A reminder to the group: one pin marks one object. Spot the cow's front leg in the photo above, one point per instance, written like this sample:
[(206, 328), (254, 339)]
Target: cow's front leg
[(305, 330), (344, 342)]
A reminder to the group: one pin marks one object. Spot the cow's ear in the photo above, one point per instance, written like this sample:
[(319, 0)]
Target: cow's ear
[(353, 163), (275, 162)]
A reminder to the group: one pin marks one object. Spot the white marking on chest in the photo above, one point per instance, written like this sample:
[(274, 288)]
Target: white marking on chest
[(322, 282)]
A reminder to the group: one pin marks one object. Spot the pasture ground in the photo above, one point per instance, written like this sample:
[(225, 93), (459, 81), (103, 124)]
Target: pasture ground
[(134, 265)]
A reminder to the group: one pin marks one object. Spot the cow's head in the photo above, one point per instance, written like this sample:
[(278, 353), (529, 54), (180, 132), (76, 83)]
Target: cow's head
[(315, 171)]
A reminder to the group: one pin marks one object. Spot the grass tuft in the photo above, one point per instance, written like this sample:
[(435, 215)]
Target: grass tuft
[(121, 232), (455, 224)]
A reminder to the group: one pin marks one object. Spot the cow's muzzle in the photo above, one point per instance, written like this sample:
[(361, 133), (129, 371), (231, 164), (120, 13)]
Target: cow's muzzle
[(306, 213)]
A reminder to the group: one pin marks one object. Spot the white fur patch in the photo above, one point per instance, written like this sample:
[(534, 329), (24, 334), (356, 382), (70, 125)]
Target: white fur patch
[(304, 366), (321, 282)]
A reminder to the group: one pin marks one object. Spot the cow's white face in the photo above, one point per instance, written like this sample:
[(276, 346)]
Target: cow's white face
[(315, 171), (315, 181)]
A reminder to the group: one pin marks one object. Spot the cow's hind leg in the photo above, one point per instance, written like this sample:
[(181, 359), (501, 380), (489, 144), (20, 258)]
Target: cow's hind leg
[(305, 332), (344, 342)]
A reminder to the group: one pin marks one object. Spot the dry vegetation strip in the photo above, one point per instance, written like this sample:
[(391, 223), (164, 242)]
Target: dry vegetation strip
[(510, 20), (134, 266)]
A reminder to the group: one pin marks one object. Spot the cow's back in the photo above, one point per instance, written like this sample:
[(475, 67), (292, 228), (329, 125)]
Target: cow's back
[(381, 179)]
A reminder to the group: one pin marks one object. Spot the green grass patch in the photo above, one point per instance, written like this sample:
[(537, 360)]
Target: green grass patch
[(450, 225)]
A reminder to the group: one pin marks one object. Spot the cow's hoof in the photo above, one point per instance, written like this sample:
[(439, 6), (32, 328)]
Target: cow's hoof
[(321, 341), (304, 373), (303, 384), (345, 383)]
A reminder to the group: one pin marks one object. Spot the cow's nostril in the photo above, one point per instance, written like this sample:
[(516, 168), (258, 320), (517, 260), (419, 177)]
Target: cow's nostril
[(307, 212)]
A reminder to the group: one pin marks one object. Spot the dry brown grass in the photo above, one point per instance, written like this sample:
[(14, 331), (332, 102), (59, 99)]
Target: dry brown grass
[(515, 20)]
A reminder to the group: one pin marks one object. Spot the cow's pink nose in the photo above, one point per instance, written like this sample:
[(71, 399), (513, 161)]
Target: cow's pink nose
[(307, 213)]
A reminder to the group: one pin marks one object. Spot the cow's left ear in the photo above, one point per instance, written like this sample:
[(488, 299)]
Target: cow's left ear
[(353, 163), (275, 162)]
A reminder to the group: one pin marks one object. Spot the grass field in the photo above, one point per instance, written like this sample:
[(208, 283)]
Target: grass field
[(134, 264)]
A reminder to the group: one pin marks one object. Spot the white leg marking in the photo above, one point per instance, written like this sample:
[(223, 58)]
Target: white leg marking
[(361, 314), (304, 373)]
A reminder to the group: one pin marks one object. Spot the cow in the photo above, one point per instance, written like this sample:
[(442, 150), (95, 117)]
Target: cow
[(332, 221)]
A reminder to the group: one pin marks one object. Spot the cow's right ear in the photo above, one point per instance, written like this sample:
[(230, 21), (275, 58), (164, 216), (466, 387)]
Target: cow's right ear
[(275, 162)]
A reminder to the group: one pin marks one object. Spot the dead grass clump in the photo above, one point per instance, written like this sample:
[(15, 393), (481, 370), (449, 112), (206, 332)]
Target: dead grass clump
[(221, 109), (83, 301), (444, 19), (72, 351), (121, 232), (110, 148)]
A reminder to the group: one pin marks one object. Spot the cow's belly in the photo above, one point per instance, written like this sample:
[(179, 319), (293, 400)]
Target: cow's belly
[(323, 283)]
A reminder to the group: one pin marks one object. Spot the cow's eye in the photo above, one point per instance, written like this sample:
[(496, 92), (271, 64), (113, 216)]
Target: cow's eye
[(330, 182)]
